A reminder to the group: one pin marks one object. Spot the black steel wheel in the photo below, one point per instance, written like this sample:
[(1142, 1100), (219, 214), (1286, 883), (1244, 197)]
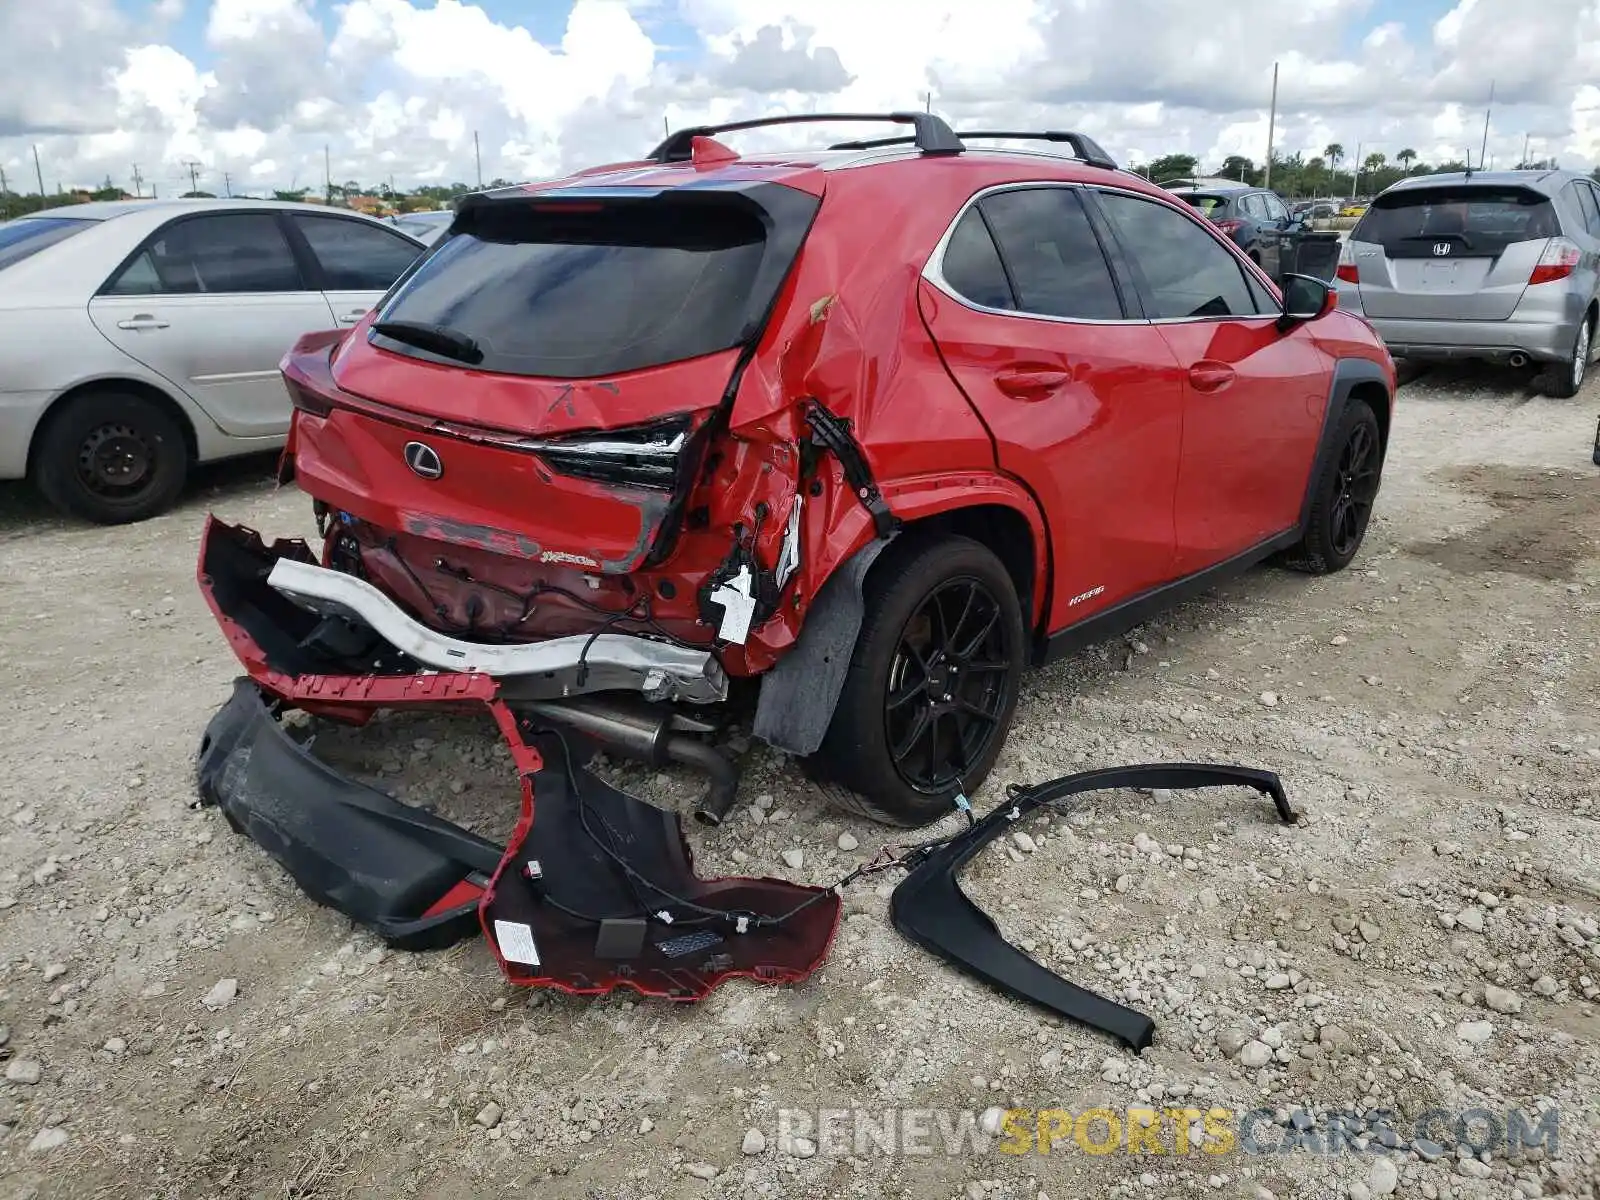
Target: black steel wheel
[(932, 685), (110, 457)]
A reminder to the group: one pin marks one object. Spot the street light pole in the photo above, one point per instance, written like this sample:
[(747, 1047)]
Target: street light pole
[(1272, 126)]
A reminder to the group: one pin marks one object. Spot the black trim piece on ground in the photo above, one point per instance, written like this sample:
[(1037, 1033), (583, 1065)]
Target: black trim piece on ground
[(382, 863), (931, 910)]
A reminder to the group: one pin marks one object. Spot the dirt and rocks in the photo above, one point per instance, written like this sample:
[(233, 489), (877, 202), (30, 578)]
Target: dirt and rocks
[(177, 1020)]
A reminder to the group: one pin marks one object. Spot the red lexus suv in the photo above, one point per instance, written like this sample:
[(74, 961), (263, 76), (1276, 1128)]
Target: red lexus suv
[(841, 441)]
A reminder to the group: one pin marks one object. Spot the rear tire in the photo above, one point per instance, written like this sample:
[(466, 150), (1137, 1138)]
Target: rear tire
[(1567, 381), (932, 686), (111, 458), (1342, 497)]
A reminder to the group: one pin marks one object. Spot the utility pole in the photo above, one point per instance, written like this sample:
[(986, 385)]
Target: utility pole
[(1355, 173), (1526, 138), (1483, 152), (327, 174), (194, 175), (5, 195), (227, 184), (1272, 126), (929, 106), (477, 157), (138, 183), (38, 170)]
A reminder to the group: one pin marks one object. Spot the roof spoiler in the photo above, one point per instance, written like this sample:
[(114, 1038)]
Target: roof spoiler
[(1083, 146), (930, 133)]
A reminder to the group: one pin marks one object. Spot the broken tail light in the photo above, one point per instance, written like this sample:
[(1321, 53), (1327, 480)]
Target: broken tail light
[(1346, 270), (640, 456), (1560, 259)]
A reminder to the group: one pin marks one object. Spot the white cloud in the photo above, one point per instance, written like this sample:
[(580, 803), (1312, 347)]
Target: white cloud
[(398, 87)]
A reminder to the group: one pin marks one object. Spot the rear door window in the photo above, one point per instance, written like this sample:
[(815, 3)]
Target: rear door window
[(1589, 199), (1472, 220), (569, 291), (1186, 273), (1211, 206), (226, 253), (1055, 262), (26, 237), (354, 255)]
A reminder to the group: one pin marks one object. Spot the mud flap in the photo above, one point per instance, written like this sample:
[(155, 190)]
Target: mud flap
[(931, 910), (598, 891), (799, 694)]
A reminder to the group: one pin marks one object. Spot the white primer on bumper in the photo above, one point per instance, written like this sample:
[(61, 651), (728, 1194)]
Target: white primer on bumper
[(612, 660)]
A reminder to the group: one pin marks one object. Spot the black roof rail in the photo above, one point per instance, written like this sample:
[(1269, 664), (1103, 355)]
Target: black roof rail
[(931, 136), (1083, 147)]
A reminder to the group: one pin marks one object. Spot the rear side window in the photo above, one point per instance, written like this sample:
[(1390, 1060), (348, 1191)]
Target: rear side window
[(971, 265), (1589, 200), (1211, 206), (569, 291), (26, 237), (1474, 220), (355, 256), (1186, 272), (227, 253), (1052, 255)]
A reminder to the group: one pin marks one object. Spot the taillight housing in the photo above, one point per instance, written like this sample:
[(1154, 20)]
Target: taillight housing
[(1560, 259), (648, 456), (1346, 269), (308, 373), (1228, 225)]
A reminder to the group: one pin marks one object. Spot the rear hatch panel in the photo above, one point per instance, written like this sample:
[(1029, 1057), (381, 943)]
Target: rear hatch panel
[(1456, 252), (605, 333)]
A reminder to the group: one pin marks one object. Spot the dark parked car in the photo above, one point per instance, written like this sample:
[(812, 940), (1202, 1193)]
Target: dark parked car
[(1254, 218)]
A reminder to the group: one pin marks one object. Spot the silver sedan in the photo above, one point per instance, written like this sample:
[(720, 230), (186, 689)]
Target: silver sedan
[(140, 337)]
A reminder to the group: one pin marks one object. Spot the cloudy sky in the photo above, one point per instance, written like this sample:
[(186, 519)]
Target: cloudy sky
[(257, 88)]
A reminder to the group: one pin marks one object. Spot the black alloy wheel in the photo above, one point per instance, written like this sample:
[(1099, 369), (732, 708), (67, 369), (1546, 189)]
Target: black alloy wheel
[(1355, 490), (945, 695)]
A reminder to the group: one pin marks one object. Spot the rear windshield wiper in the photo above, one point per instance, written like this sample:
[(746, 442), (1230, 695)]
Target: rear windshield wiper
[(440, 339)]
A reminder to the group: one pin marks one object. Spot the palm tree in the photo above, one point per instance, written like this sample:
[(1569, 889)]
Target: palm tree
[(1334, 154), (1407, 157), (1375, 162)]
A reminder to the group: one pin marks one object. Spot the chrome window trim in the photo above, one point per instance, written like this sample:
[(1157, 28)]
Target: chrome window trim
[(933, 269)]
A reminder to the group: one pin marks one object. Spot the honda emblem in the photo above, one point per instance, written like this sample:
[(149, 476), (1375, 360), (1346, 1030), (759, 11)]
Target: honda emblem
[(1440, 249), (423, 460)]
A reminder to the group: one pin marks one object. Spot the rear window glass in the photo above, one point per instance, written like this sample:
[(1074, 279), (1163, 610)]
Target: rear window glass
[(1206, 204), (26, 237), (592, 290), (1477, 220)]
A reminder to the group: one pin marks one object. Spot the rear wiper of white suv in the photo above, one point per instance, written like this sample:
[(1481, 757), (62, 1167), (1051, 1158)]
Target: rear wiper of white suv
[(440, 339)]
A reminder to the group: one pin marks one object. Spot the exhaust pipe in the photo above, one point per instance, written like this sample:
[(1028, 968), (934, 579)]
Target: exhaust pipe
[(646, 733), (1518, 359)]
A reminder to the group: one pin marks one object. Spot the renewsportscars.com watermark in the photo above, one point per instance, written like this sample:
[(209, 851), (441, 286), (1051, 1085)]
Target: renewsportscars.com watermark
[(859, 1132)]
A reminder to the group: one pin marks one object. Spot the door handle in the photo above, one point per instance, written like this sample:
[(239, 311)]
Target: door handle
[(351, 318), (143, 321), (1030, 383), (1210, 376)]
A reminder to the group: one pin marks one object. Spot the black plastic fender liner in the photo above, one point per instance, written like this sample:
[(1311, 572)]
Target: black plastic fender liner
[(413, 878), (931, 910)]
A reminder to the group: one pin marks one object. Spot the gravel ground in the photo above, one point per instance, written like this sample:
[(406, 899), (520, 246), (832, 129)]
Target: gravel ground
[(180, 1021)]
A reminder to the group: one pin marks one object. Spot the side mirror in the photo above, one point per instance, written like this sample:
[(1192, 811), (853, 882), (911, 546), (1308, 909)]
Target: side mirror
[(1305, 298)]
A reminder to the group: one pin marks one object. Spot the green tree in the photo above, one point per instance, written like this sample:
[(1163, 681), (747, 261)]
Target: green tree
[(1334, 153), (1374, 162), (1595, 174), (1406, 158), (290, 194), (1173, 166), (1237, 166)]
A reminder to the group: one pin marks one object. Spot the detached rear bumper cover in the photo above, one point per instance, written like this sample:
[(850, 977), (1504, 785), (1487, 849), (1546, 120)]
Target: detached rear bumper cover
[(930, 908), (580, 924), (292, 622)]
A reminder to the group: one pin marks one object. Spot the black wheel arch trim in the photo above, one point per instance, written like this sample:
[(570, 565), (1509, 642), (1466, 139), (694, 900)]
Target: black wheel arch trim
[(1348, 374)]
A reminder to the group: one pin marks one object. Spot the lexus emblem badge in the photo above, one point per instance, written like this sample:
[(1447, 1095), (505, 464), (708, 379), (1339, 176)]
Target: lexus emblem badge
[(423, 460), (1441, 249)]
